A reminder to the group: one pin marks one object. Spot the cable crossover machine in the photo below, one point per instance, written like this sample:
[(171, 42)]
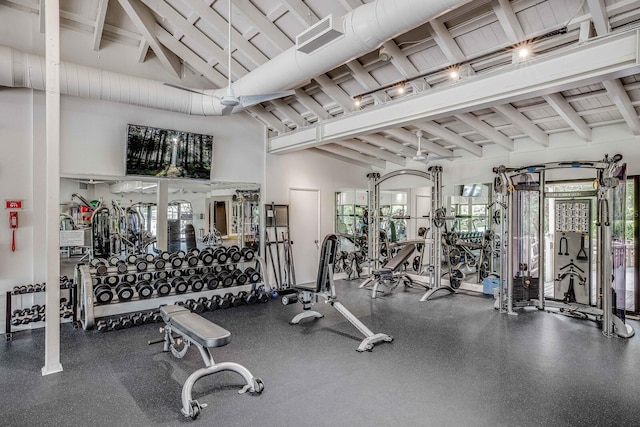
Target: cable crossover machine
[(523, 205)]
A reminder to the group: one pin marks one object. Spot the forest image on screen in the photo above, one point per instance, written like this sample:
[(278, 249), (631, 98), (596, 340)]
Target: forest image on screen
[(168, 153)]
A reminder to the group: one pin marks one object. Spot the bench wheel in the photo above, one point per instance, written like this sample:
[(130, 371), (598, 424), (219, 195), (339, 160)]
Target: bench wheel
[(195, 409), (259, 385)]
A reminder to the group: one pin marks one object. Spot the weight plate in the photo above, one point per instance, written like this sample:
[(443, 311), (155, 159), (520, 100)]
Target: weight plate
[(113, 261), (121, 267), (149, 257)]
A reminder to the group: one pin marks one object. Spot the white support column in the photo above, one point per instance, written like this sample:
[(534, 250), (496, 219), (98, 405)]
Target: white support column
[(162, 201), (52, 192)]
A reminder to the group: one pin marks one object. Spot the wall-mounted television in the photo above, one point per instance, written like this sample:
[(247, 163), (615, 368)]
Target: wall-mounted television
[(471, 190), (168, 153)]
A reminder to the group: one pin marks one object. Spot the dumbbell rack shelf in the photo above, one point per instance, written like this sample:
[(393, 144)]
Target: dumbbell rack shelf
[(10, 329), (89, 310)]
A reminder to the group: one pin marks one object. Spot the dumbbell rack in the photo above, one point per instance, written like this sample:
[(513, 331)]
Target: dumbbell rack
[(88, 278), (9, 314)]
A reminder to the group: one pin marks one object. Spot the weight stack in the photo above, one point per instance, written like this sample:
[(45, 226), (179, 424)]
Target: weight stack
[(173, 238)]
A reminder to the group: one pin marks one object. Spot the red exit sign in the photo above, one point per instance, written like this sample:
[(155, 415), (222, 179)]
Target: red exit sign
[(13, 204)]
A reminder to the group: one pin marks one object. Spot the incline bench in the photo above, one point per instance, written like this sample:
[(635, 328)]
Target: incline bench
[(204, 334), (392, 273), (325, 288)]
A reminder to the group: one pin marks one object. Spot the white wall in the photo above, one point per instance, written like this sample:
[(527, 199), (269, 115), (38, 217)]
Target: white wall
[(308, 170)]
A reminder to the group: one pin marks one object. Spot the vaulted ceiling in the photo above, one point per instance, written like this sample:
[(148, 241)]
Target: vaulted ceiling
[(523, 69)]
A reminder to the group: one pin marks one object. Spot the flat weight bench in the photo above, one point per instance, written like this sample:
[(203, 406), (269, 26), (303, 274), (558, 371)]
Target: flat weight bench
[(392, 274), (204, 334), (325, 288)]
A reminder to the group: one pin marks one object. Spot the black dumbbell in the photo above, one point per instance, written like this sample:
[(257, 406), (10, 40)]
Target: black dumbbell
[(144, 289), (149, 257), (289, 299), (252, 274), (121, 266), (225, 300), (218, 269), (145, 276), (157, 317), (233, 252), (159, 262), (29, 289), (129, 278), (142, 264), (263, 297), (238, 299), (137, 319), (212, 304), (111, 280), (66, 314), (101, 268), (175, 260), (162, 287), (161, 275), (192, 260), (126, 321), (206, 256), (248, 254), (196, 283), (103, 294), (114, 324), (251, 298), (194, 306), (226, 279), (131, 259), (210, 280), (165, 255), (220, 255), (18, 312), (179, 285), (241, 278), (124, 292), (102, 326), (176, 273), (147, 317)]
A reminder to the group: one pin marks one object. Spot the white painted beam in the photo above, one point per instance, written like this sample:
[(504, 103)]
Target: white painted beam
[(292, 114), (221, 25), (99, 26), (486, 130), (208, 72), (41, 23), (450, 137), (143, 49), (599, 17), (372, 150), (335, 92), (389, 144), (445, 42), (301, 12), (266, 27), (365, 79), (619, 96), (212, 52), (349, 5), (145, 23), (569, 115), (269, 119), (341, 158), (521, 122), (575, 66), (353, 155), (306, 100), (508, 20), (403, 65)]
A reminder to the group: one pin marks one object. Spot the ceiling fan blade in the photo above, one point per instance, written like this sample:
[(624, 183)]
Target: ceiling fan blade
[(442, 157), (226, 111), (249, 100), (186, 89)]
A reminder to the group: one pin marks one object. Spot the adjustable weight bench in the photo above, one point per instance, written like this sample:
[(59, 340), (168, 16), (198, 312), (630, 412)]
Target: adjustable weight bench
[(193, 329), (392, 274), (325, 288)]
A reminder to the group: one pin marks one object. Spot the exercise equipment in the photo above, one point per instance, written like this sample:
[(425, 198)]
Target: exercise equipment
[(523, 192), (324, 288), (203, 334), (393, 273)]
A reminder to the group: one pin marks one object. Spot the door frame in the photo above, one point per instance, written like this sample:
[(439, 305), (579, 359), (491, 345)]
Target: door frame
[(319, 224)]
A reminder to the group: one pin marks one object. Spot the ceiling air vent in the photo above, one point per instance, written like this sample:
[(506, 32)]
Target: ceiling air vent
[(320, 34)]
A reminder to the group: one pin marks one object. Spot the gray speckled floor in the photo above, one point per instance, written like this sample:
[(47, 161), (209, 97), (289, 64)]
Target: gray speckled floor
[(455, 361)]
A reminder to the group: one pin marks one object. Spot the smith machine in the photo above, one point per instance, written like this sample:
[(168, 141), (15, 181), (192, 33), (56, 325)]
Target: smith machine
[(523, 206), (431, 240)]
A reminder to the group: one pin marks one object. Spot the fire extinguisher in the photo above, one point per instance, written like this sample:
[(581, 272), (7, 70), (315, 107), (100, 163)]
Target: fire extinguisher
[(13, 224)]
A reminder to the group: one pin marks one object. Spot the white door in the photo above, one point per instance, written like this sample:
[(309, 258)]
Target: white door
[(304, 227)]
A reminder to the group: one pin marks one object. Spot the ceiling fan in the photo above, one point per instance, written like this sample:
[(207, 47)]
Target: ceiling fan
[(89, 181), (230, 100), (420, 156)]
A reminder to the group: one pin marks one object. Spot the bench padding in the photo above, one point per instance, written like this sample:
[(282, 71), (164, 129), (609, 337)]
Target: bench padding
[(196, 327), (396, 262)]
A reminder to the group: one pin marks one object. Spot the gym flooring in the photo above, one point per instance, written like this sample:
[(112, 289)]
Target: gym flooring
[(455, 361)]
